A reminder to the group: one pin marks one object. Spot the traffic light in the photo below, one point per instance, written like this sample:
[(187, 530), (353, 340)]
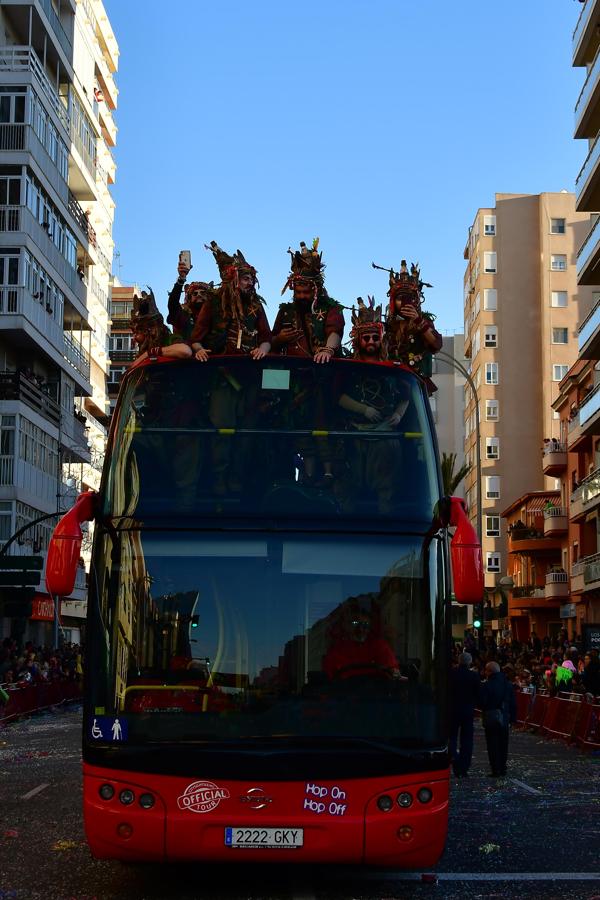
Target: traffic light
[(476, 623)]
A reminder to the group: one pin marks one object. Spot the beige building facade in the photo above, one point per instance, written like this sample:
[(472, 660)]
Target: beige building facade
[(522, 305), (447, 403)]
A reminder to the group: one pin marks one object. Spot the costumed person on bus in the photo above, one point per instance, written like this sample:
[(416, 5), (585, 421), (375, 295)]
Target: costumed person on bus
[(313, 323), (182, 316), (234, 321), (373, 401), (358, 648), (409, 333), (150, 333), (311, 327)]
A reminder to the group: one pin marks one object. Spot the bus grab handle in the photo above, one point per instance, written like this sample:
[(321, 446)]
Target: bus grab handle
[(465, 553), (65, 546)]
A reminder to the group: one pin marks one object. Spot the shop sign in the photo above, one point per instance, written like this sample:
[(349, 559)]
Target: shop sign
[(568, 611), (42, 609)]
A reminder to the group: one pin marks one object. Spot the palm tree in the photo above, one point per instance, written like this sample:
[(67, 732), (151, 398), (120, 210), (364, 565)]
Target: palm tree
[(449, 479)]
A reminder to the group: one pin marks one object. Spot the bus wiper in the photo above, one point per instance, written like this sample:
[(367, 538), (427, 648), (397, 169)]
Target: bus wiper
[(323, 742)]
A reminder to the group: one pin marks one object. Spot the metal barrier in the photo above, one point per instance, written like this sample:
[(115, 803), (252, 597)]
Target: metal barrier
[(23, 700), (524, 701), (570, 717), (586, 733), (561, 717), (537, 712)]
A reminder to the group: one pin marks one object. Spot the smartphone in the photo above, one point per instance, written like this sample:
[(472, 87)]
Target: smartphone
[(185, 258)]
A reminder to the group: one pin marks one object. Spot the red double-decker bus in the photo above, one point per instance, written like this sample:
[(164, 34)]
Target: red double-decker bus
[(268, 616)]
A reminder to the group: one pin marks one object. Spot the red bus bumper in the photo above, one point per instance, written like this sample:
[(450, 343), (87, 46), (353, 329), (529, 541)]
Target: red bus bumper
[(173, 818)]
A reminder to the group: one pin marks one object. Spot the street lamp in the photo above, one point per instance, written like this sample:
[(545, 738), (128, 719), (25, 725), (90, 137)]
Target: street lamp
[(466, 375)]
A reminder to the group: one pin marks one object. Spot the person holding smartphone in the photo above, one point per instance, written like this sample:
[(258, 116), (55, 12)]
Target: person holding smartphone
[(182, 316)]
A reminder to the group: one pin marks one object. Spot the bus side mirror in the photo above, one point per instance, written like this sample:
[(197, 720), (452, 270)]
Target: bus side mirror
[(65, 546), (465, 553)]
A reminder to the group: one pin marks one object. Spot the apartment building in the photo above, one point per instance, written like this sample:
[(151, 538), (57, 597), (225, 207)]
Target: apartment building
[(577, 462), (522, 304), (57, 97), (447, 404)]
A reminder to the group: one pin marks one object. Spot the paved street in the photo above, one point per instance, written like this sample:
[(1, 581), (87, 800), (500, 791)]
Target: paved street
[(535, 834)]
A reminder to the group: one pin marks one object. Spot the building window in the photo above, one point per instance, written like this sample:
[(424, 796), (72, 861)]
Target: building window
[(491, 373), (492, 526), (491, 410), (489, 225), (559, 372), (492, 562), (492, 487), (559, 299), (491, 335), (557, 226), (558, 262), (560, 335), (492, 448), (490, 262), (490, 298)]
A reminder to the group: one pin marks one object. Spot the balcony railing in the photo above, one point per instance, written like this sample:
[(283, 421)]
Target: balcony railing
[(557, 447), (589, 326), (20, 218), (591, 570), (12, 136), (588, 85), (528, 590), (89, 160), (554, 512), (21, 59), (590, 405), (122, 356), (82, 220), (586, 249), (77, 356), (57, 28), (16, 386), (15, 301), (557, 578), (588, 489)]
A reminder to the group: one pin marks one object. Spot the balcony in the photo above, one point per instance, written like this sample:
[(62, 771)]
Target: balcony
[(25, 61), (17, 387), (585, 35), (587, 184), (589, 335), (531, 541), (554, 458), (86, 230), (57, 28), (34, 486), (555, 521), (20, 220), (18, 139), (557, 586), (588, 257), (586, 496), (577, 582), (587, 108), (122, 356), (76, 355), (586, 421), (591, 572)]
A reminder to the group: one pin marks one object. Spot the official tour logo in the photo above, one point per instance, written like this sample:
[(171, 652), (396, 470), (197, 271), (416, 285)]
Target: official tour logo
[(202, 797)]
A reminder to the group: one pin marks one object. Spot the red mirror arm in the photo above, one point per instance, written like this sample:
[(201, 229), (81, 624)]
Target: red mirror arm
[(65, 546)]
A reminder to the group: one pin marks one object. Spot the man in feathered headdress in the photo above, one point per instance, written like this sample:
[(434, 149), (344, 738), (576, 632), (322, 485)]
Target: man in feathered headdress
[(313, 324), (150, 333), (409, 332), (234, 320), (367, 331)]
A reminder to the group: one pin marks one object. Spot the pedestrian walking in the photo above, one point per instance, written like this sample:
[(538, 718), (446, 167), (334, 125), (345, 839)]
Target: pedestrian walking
[(499, 711), (464, 690)]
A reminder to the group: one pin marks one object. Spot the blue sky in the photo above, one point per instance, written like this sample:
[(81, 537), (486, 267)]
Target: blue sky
[(379, 126)]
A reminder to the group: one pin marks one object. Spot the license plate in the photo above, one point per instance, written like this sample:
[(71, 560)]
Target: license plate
[(286, 838)]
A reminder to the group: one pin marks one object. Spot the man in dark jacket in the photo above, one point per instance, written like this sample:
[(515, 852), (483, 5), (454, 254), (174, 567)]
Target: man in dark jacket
[(499, 711), (464, 689)]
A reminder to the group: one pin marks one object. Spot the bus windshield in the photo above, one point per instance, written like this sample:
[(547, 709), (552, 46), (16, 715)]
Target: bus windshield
[(283, 438), (254, 636)]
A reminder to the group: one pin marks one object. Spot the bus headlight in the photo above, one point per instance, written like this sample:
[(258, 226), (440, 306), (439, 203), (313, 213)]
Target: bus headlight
[(424, 795), (404, 799), (385, 803), (126, 797), (107, 791), (146, 801)]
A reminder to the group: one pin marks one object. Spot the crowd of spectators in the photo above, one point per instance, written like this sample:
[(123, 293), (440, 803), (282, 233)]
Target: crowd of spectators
[(21, 666), (555, 665)]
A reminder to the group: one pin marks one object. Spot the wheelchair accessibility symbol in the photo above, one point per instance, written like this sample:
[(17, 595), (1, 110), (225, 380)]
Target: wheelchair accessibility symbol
[(109, 728)]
